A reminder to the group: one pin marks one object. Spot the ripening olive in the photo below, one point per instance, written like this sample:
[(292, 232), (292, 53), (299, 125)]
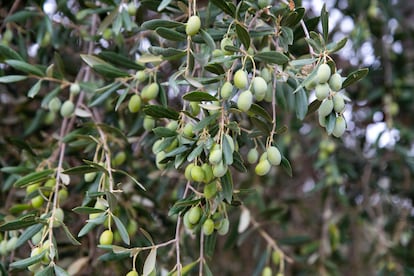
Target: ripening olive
[(252, 156), (197, 174), (226, 90), (150, 91), (54, 104), (226, 42), (273, 155), (326, 107), (323, 73), (322, 91), (74, 89), (67, 109), (208, 227), (245, 100), (240, 79), (134, 104), (210, 190), (340, 126), (263, 167), (335, 82), (338, 102), (132, 273), (219, 169), (193, 25), (194, 214), (106, 237), (259, 88)]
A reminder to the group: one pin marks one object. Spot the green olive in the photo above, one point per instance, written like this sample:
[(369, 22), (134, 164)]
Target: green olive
[(54, 104), (259, 88), (208, 227), (141, 75), (322, 91), (263, 3), (134, 104), (89, 177), (59, 216), (150, 91), (74, 88), (131, 8), (197, 174), (273, 155), (219, 169), (335, 82), (11, 244), (37, 201), (194, 214), (245, 100), (267, 271), (240, 79), (132, 273), (208, 172), (106, 238), (158, 158), (323, 73), (325, 108), (188, 130), (210, 190), (252, 156), (216, 156), (224, 227), (187, 171), (263, 167), (119, 158), (226, 42), (148, 123), (338, 102), (226, 90), (193, 25), (67, 109), (340, 126)]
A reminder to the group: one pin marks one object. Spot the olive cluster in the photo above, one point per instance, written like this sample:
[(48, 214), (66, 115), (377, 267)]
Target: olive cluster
[(327, 87), (268, 158), (65, 109), (216, 222), (37, 192), (149, 92)]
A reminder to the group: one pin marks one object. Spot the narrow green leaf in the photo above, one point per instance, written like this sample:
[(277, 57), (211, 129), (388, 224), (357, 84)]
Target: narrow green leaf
[(335, 47), (120, 60), (272, 57), (157, 111), (301, 104), (102, 97), (243, 35), (29, 233), (102, 67), (199, 96), (195, 153), (227, 184), (238, 162), (205, 122), (29, 261), (164, 132), (33, 177), (70, 236), (90, 226), (210, 244), (12, 78), (185, 269), (330, 124), (35, 89), (286, 165), (21, 16), (257, 110), (215, 68), (24, 67), (177, 151), (167, 53), (60, 271), (18, 224), (225, 6), (108, 20), (354, 77), (325, 22), (87, 210), (8, 53), (208, 39), (81, 170), (156, 23), (170, 34), (131, 177), (122, 230), (20, 144), (227, 151), (163, 5), (149, 263)]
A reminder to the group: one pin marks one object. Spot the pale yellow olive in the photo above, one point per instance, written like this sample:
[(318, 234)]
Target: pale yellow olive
[(208, 227), (252, 156), (193, 25), (245, 100), (106, 238), (273, 155), (340, 126), (263, 167), (240, 79)]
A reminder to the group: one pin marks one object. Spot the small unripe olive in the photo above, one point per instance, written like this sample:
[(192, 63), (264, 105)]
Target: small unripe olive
[(3, 247), (194, 214), (63, 194), (31, 188), (219, 169), (132, 273), (150, 91), (36, 251), (276, 257), (323, 73), (158, 158), (326, 107), (267, 271), (311, 84), (172, 146), (173, 125), (338, 102), (340, 126), (149, 123), (245, 100), (134, 104), (187, 222), (216, 156), (266, 74), (187, 171), (107, 34), (335, 82), (226, 42), (208, 172), (194, 108), (273, 155), (11, 244), (59, 216), (322, 91), (208, 227), (74, 88), (259, 88), (54, 104), (119, 158), (217, 53), (141, 75), (226, 90), (197, 174), (230, 141), (67, 109), (36, 238), (156, 147), (224, 227), (106, 238), (322, 120), (131, 8), (240, 79), (37, 201), (50, 118), (263, 167), (263, 156), (263, 3), (210, 190), (188, 130), (193, 25), (89, 177), (252, 156)]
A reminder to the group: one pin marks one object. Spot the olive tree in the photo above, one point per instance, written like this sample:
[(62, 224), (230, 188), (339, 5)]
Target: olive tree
[(144, 137)]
